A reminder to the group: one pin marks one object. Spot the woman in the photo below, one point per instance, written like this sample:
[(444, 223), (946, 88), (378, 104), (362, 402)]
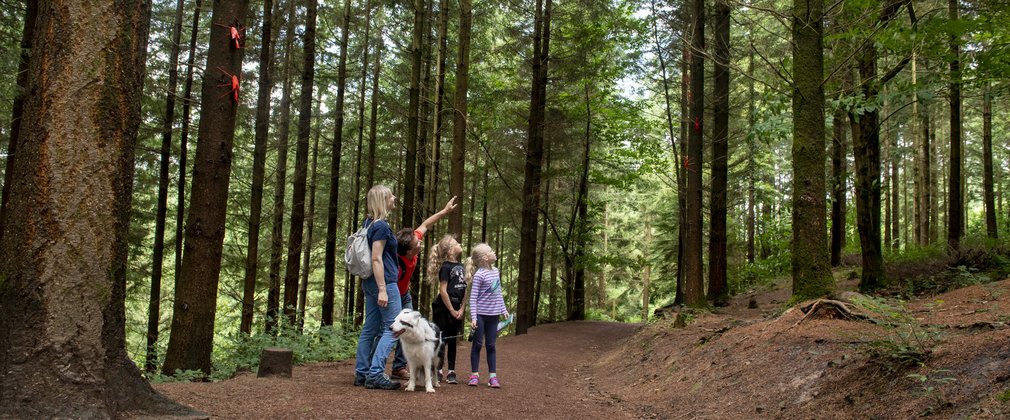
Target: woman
[(380, 310)]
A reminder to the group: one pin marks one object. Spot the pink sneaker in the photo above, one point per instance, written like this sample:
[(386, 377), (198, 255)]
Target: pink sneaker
[(474, 380), (493, 382)]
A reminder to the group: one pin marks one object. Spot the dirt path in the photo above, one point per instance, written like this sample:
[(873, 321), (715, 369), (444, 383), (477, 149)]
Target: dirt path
[(545, 374)]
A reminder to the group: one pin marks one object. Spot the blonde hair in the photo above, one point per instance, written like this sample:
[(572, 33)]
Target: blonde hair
[(477, 259), (376, 202), (439, 255)]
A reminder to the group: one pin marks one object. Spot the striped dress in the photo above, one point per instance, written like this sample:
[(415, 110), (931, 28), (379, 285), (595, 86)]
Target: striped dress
[(485, 294)]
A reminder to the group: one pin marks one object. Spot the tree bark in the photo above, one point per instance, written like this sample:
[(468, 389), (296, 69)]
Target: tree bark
[(187, 105), (295, 231), (694, 282), (329, 268), (192, 336), (987, 171), (459, 124), (410, 162), (811, 267), (303, 286), (277, 224), (262, 128), (955, 211), (752, 170), (534, 160), (718, 289), (158, 253), (356, 197), (839, 176), (63, 258)]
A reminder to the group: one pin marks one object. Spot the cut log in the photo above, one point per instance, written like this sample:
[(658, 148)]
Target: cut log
[(275, 361)]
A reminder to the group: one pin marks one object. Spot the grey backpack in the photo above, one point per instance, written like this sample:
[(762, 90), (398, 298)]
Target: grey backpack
[(358, 256)]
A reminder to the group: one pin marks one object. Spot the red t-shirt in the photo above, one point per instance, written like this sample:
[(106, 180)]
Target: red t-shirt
[(407, 268)]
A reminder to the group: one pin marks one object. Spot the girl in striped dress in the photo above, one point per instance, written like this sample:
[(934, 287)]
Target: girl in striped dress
[(486, 305)]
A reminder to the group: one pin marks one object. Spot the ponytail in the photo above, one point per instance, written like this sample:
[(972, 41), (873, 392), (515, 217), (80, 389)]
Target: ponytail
[(469, 269), (434, 263)]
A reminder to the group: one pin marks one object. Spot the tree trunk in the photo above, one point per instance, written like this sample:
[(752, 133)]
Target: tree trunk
[(918, 163), (694, 281), (410, 162), (192, 336), (752, 170), (277, 224), (63, 258), (303, 285), (373, 118), (718, 289), (866, 151), (295, 231), (810, 256), (534, 160), (459, 124), (577, 300), (356, 197), (685, 93), (601, 287), (955, 211), (987, 174), (158, 253), (262, 128), (895, 184), (187, 105), (543, 242), (647, 274), (839, 175), (333, 209)]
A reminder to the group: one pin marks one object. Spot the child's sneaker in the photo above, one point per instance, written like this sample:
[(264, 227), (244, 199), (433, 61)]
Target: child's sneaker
[(493, 382), (451, 378), (474, 380)]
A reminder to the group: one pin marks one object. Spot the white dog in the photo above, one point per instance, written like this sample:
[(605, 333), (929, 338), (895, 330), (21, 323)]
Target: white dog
[(421, 343)]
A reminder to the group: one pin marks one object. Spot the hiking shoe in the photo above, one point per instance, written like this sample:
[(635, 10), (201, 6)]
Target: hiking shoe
[(451, 379), (400, 373), (474, 380), (359, 380), (440, 375), (493, 382), (381, 382)]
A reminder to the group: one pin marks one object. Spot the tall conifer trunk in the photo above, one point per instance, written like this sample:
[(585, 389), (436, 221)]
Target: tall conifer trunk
[(193, 313), (280, 184), (297, 226), (810, 256), (158, 253), (534, 160), (718, 289), (955, 209), (261, 129), (694, 281), (64, 253)]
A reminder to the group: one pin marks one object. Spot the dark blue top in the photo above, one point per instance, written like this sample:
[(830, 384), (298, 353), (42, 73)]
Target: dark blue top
[(379, 231)]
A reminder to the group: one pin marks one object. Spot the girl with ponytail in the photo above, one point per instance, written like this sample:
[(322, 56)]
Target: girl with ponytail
[(448, 308)]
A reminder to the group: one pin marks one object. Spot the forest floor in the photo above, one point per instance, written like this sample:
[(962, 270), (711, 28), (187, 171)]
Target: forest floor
[(753, 359)]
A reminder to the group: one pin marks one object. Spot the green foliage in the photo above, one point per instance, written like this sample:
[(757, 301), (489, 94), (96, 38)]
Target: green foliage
[(905, 344), (930, 389), (241, 352), (1004, 396)]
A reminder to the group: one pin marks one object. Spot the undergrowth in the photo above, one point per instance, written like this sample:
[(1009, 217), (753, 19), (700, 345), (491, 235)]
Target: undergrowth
[(904, 344), (242, 352)]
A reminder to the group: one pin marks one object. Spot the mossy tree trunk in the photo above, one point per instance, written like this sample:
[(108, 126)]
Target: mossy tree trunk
[(810, 257)]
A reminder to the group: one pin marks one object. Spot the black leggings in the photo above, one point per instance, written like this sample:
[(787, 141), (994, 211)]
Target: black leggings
[(450, 327)]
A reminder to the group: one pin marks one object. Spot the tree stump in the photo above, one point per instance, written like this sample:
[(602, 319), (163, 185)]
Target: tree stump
[(275, 361)]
